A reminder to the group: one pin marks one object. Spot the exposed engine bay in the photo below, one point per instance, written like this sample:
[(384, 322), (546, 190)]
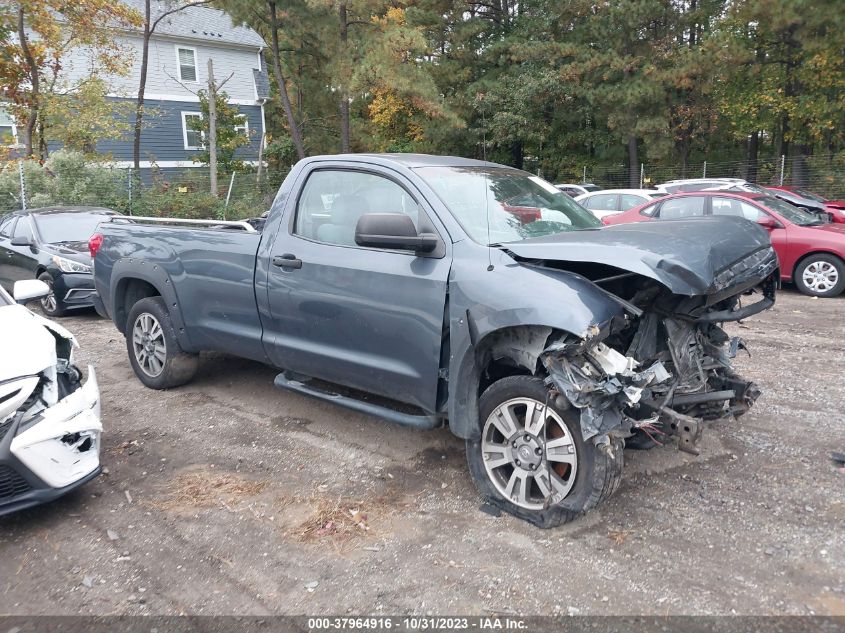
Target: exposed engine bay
[(666, 367)]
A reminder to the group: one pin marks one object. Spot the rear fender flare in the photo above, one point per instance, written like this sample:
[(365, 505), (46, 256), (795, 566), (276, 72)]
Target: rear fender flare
[(126, 270)]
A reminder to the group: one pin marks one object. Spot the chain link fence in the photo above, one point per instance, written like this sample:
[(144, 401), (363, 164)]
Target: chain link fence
[(67, 179), (823, 175)]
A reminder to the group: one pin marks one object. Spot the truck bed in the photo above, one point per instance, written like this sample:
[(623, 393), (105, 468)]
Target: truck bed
[(220, 261)]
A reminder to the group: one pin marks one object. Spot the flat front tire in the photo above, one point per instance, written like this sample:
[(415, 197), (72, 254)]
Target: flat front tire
[(530, 458), (154, 351)]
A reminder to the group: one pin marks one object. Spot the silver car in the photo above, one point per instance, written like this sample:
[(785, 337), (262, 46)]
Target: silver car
[(612, 201)]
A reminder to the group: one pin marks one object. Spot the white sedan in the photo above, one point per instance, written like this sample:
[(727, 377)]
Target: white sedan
[(49, 419), (612, 201)]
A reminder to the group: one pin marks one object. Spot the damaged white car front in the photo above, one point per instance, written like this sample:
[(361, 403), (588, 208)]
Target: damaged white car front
[(49, 418)]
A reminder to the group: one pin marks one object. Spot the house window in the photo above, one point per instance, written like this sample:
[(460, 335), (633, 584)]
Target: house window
[(8, 134), (8, 129), (243, 126), (186, 60), (194, 139)]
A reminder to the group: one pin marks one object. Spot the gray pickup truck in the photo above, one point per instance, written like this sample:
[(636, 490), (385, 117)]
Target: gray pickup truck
[(432, 290)]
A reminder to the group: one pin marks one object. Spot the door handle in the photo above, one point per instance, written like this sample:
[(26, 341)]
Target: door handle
[(288, 260)]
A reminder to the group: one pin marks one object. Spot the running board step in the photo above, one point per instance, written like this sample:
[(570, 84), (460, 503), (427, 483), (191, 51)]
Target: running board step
[(299, 384)]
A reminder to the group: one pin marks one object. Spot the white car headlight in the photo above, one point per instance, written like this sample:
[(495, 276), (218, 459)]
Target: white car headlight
[(68, 266)]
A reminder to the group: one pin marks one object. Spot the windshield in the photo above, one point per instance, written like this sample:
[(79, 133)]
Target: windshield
[(747, 186), (806, 194), (499, 204), (794, 214), (67, 227)]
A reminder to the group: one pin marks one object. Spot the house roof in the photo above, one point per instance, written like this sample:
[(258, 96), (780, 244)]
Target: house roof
[(262, 83), (201, 23)]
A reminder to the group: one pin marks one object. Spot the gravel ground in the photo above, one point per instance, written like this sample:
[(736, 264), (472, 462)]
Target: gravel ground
[(228, 496)]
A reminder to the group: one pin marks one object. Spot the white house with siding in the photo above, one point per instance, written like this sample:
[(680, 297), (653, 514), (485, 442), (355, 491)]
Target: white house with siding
[(179, 51)]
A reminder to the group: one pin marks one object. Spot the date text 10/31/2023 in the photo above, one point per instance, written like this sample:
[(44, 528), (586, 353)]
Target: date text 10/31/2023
[(416, 623)]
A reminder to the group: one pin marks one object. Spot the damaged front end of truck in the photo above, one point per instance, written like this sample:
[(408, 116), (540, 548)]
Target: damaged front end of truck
[(666, 367)]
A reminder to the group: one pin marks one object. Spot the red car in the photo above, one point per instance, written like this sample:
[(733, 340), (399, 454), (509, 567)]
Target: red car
[(811, 251), (836, 208)]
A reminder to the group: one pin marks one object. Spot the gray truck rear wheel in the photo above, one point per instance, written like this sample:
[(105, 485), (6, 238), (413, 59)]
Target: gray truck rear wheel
[(154, 351)]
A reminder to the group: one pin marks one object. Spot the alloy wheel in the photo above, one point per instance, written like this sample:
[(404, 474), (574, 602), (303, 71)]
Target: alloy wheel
[(148, 344), (820, 276), (48, 303), (529, 453)]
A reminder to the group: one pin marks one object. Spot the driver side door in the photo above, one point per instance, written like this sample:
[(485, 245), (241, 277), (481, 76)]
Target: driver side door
[(22, 259), (367, 318)]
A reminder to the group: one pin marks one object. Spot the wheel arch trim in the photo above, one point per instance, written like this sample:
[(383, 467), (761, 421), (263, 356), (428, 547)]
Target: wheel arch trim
[(130, 269)]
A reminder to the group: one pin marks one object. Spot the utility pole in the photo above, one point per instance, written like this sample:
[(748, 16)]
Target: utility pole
[(212, 128)]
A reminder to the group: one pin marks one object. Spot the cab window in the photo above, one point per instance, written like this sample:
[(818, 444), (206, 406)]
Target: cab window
[(686, 207), (629, 201), (333, 200), (23, 229), (6, 225), (602, 202), (736, 208)]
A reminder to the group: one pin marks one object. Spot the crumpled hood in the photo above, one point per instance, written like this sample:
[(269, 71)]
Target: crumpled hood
[(26, 345), (684, 255)]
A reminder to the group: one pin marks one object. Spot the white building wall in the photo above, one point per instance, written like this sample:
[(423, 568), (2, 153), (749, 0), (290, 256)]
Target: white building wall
[(162, 73)]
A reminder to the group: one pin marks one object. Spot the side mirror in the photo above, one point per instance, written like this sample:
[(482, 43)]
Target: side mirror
[(21, 241), (392, 230), (28, 290), (768, 222)]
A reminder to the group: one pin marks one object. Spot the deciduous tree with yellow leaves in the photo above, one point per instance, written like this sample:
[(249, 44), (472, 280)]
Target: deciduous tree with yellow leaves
[(37, 36)]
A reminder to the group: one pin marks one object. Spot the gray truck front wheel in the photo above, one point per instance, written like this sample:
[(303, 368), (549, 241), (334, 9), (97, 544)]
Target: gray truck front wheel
[(154, 351), (530, 459)]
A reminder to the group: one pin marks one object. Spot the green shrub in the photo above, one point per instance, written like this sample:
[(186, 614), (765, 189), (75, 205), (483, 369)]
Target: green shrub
[(64, 179)]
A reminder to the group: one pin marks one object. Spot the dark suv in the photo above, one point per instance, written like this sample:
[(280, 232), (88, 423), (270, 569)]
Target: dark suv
[(51, 244)]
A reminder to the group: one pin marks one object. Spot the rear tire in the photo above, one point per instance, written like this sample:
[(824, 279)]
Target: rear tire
[(510, 461), (50, 305), (820, 275), (154, 351)]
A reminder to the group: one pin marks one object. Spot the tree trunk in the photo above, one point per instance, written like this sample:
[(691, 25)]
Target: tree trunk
[(344, 95), (683, 147), (43, 150), (295, 134), (32, 117), (633, 163), (517, 154), (800, 169), (344, 125), (783, 143), (212, 129), (142, 87), (751, 159)]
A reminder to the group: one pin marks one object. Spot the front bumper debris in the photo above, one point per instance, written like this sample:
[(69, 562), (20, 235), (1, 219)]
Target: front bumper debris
[(675, 373)]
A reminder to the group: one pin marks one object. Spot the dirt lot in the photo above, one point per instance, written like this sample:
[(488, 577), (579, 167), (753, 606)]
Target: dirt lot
[(230, 497)]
